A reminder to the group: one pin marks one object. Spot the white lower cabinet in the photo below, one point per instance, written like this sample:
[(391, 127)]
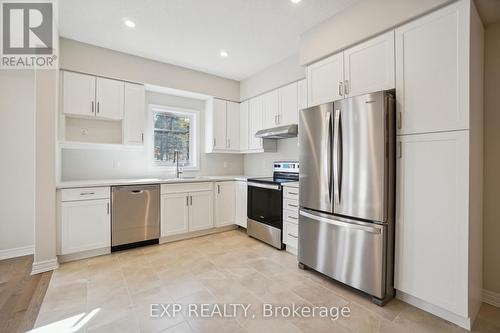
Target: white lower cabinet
[(225, 203), (291, 218), (433, 219), (241, 203), (174, 214), (201, 210), (186, 208), (83, 224)]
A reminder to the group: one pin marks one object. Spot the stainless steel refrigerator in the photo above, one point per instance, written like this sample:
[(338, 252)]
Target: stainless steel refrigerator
[(347, 185)]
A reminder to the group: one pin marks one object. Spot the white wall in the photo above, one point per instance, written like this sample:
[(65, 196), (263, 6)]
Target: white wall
[(109, 164), (361, 21), (491, 248), (277, 75), (262, 164), (96, 60), (17, 166)]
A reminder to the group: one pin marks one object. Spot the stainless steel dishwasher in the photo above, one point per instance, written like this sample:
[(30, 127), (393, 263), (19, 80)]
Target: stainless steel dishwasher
[(135, 216)]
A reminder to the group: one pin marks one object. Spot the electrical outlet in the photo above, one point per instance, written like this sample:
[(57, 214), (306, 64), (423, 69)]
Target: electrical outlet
[(83, 131)]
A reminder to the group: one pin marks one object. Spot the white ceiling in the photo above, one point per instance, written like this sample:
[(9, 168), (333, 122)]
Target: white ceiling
[(191, 33)]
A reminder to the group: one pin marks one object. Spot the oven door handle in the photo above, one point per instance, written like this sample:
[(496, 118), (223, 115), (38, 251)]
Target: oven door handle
[(268, 186)]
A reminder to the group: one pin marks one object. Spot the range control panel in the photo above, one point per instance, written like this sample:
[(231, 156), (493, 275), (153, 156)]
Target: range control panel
[(286, 167)]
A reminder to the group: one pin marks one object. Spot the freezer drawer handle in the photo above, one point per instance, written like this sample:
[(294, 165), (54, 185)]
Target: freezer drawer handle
[(373, 229)]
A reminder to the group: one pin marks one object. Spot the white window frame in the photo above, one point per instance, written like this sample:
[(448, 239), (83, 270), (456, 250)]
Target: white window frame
[(194, 141)]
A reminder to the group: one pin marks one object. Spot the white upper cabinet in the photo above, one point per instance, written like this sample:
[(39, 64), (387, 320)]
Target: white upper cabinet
[(254, 122), (109, 98), (134, 108), (219, 124), (78, 94), (244, 126), (364, 68), (225, 203), (233, 126), (270, 109), (369, 66), (302, 94), (432, 219), (288, 105), (90, 96), (432, 72), (325, 80)]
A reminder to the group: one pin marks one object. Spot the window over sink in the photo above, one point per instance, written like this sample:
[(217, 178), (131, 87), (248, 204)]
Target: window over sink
[(173, 129)]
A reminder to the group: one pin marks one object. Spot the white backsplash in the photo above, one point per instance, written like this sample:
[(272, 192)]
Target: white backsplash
[(262, 164)]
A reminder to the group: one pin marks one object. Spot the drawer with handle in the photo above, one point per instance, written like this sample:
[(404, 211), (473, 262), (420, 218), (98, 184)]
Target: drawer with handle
[(290, 204), (291, 216), (87, 193), (291, 193), (292, 234)]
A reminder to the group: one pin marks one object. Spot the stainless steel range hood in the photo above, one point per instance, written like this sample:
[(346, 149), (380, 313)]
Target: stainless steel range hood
[(282, 132)]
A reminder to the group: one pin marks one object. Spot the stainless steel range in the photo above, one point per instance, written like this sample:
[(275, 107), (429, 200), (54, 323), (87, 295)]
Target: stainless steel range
[(265, 203)]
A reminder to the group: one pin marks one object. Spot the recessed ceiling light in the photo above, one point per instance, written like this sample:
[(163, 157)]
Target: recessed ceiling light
[(295, 1), (129, 23), (224, 54)]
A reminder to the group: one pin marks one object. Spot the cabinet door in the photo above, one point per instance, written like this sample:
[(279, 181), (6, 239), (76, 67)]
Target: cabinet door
[(325, 80), (432, 219), (85, 225), (289, 108), (109, 98), (432, 72), (255, 122), (201, 210), (133, 123), (224, 203), (241, 204), (302, 91), (370, 66), (270, 109), (78, 94), (233, 126), (219, 124), (174, 214), (244, 126)]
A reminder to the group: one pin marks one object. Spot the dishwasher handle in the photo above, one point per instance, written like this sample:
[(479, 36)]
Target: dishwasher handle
[(136, 189)]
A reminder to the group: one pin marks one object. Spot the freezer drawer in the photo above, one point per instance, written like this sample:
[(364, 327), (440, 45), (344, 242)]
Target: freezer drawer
[(352, 253)]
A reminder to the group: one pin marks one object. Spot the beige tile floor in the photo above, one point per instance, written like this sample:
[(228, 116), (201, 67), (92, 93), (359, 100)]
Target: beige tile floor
[(113, 293)]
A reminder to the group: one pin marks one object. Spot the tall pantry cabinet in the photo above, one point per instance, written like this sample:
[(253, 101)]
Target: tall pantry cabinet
[(439, 162)]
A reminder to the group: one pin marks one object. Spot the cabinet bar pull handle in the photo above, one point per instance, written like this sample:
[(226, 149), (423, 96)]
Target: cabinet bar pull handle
[(191, 200), (92, 107), (142, 137), (214, 142), (292, 217), (187, 200), (399, 119), (341, 86), (400, 145), (107, 207), (218, 189), (291, 205), (98, 107), (346, 87), (87, 193), (294, 193), (293, 236)]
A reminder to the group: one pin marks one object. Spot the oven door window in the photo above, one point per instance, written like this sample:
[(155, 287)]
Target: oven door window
[(265, 206)]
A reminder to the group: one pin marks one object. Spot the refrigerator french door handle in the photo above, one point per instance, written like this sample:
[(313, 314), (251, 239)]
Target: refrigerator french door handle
[(337, 156), (330, 156)]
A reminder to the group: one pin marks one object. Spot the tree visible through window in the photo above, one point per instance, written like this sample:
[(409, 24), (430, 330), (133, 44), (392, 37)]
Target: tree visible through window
[(172, 131)]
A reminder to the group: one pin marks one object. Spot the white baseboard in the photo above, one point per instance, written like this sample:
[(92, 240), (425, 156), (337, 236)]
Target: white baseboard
[(16, 252), (491, 297), (435, 310), (44, 266)]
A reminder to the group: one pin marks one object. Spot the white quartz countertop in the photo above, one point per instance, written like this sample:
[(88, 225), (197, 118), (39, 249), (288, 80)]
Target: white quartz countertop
[(117, 182)]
